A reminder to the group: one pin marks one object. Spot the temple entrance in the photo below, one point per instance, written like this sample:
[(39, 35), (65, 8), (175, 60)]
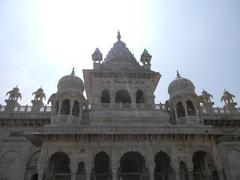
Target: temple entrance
[(101, 169), (58, 167), (163, 169), (34, 177), (81, 172), (203, 167), (132, 167)]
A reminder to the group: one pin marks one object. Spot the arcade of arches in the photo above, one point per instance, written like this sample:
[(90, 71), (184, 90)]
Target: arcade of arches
[(131, 166)]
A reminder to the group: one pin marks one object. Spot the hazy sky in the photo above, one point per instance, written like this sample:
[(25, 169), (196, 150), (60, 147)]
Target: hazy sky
[(40, 41)]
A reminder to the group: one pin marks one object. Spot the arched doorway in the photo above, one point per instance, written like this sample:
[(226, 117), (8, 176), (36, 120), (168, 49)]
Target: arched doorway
[(183, 172), (234, 164), (34, 177), (9, 165), (81, 172), (163, 169), (58, 167), (31, 172), (101, 169), (132, 167), (203, 167)]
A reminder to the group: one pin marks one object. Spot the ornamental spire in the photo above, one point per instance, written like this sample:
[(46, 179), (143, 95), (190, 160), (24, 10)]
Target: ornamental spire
[(119, 36), (178, 75), (73, 72)]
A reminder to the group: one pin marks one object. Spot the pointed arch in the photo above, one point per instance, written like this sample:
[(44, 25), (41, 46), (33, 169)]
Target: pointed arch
[(163, 169), (123, 96), (81, 171), (58, 167), (203, 166), (190, 108), (102, 168), (76, 109), (140, 97), (183, 171), (105, 96), (180, 110), (132, 166), (65, 109)]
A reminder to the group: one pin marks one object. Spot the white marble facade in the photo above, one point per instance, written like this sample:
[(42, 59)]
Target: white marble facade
[(116, 131)]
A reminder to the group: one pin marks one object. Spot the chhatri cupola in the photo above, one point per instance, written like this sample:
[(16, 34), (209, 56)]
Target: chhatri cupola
[(68, 102), (119, 80), (184, 102)]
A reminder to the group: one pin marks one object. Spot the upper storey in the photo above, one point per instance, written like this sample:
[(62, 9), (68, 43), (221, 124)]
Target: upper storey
[(121, 78)]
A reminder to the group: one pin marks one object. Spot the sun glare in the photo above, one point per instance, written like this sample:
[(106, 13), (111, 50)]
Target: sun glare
[(73, 29)]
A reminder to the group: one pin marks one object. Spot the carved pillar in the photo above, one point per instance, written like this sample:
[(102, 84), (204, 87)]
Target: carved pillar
[(220, 175), (40, 175), (190, 167), (88, 166), (59, 106), (71, 106), (114, 165)]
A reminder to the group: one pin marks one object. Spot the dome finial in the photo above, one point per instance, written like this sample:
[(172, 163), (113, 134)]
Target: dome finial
[(119, 36), (178, 75), (73, 72)]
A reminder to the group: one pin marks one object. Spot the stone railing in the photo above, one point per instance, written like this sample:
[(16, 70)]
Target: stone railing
[(26, 109), (218, 110), (127, 106)]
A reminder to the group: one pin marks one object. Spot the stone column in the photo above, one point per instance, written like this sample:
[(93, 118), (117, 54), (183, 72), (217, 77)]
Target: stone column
[(220, 175), (88, 169), (40, 175), (73, 167), (151, 174)]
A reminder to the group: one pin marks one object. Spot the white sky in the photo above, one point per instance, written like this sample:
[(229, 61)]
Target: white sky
[(40, 41)]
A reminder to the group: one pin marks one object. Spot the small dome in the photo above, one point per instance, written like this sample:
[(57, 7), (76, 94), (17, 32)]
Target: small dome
[(70, 83), (180, 85)]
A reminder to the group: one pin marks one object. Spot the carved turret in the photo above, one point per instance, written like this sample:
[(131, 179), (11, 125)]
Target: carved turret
[(205, 99), (230, 105), (12, 101), (97, 58), (146, 59), (37, 102)]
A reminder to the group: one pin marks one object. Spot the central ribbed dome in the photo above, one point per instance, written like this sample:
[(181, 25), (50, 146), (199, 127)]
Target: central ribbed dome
[(119, 57), (70, 83)]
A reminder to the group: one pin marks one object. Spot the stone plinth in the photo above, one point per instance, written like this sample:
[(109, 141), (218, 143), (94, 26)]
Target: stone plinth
[(230, 107), (11, 105), (37, 104), (209, 107)]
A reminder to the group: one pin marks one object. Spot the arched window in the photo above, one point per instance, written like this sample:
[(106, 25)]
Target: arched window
[(105, 97), (139, 97), (190, 109), (75, 111), (180, 110), (65, 110), (123, 96)]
